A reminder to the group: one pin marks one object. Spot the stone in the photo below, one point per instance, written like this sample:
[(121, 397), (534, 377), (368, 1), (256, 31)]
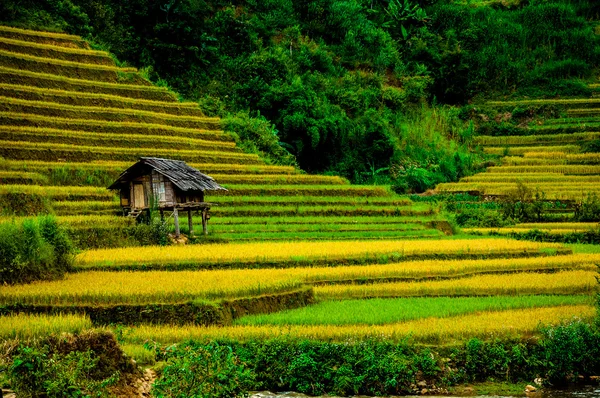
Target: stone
[(539, 381), (530, 388), (424, 391), (422, 383)]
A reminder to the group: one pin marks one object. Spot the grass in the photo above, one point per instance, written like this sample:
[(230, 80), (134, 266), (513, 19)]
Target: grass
[(558, 169), (99, 288), (565, 282), (71, 137), (108, 127), (535, 139), (22, 177), (290, 253), (53, 109), (485, 325), (325, 235), (520, 150), (60, 193), (104, 73), (385, 311), (56, 52), (579, 102), (529, 178), (441, 269), (23, 150), (306, 179), (311, 220), (311, 190), (52, 81), (313, 210), (118, 166), (98, 100), (35, 326), (303, 200)]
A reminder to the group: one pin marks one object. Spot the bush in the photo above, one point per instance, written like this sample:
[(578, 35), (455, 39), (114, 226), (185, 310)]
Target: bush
[(258, 135), (83, 365), (35, 249), (211, 371), (570, 350)]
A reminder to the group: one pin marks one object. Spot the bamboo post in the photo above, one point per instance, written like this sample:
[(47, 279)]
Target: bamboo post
[(204, 221), (176, 218), (190, 222)]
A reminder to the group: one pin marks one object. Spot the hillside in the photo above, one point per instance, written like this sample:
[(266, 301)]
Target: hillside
[(72, 121)]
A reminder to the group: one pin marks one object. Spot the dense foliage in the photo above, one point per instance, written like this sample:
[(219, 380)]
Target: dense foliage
[(87, 364), (34, 249), (375, 367), (340, 83)]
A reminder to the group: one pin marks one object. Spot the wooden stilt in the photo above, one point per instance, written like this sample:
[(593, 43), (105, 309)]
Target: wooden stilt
[(204, 221), (176, 218), (190, 222), (162, 215)]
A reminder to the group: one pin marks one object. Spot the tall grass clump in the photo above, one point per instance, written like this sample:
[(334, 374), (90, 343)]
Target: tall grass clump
[(432, 147), (32, 249)]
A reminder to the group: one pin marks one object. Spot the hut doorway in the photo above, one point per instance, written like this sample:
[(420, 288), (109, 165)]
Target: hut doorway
[(139, 201)]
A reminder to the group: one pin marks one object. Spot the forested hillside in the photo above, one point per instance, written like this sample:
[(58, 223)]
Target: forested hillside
[(349, 87)]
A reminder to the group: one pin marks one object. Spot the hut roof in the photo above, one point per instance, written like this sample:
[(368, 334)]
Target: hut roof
[(178, 172)]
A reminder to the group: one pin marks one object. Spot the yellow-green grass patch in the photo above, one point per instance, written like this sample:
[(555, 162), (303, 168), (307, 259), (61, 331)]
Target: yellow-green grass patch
[(54, 38), (23, 150), (291, 253), (84, 138), (563, 282), (76, 98), (571, 102), (325, 235), (71, 69), (306, 179), (331, 210), (51, 81), (307, 200), (24, 327), (98, 288), (301, 190), (108, 127), (523, 149), (540, 139), (529, 178), (440, 269), (56, 52), (324, 220), (14, 105), (119, 166), (22, 177), (558, 169), (523, 161), (60, 193), (381, 311), (510, 231), (485, 325)]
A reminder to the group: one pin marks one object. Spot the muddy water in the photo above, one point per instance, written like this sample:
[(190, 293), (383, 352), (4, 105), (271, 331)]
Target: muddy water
[(575, 392)]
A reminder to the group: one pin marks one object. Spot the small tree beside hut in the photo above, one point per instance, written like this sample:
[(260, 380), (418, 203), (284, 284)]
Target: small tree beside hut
[(168, 185)]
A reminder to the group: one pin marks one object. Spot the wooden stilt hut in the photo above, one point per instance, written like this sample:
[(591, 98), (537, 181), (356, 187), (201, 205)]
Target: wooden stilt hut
[(168, 185)]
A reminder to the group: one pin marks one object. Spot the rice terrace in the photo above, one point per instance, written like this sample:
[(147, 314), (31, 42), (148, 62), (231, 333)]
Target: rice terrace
[(330, 197)]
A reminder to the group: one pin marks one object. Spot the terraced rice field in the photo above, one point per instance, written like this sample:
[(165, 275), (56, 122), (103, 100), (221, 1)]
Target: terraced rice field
[(71, 121), (549, 157)]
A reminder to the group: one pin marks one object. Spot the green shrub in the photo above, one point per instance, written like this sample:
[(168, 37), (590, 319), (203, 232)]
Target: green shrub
[(570, 350), (258, 135), (34, 249), (211, 371)]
